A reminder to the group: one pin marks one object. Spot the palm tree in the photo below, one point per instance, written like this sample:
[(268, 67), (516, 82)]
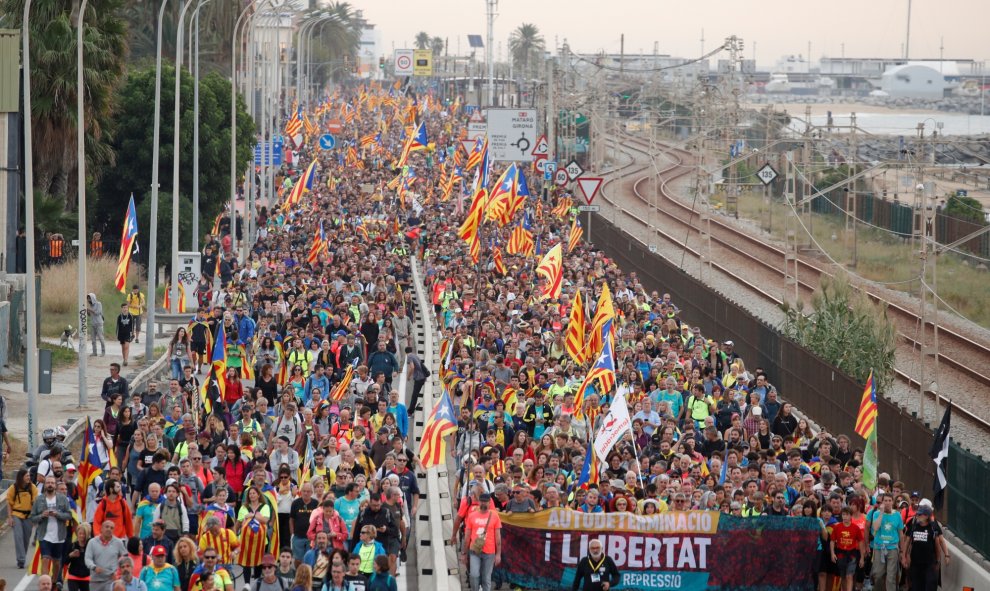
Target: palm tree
[(422, 40), (53, 80), (526, 44), (339, 37), (438, 45)]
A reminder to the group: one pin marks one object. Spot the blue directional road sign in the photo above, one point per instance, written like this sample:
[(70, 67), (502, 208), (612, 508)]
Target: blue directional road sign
[(327, 141), (268, 153)]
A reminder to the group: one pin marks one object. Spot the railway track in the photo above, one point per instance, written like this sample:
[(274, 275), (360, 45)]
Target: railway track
[(965, 355)]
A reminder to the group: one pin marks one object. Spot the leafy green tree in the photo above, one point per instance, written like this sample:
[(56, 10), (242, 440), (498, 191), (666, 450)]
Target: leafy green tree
[(966, 208), (334, 40), (422, 40), (526, 46), (133, 143), (164, 250), (53, 87), (50, 216), (846, 329)]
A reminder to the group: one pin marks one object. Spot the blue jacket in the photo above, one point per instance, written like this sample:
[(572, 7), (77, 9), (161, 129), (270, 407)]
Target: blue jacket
[(314, 382), (245, 329)]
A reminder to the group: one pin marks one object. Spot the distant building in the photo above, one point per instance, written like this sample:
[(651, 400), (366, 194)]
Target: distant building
[(913, 81)]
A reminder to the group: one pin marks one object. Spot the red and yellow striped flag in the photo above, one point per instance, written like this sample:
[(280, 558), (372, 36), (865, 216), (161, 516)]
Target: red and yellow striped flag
[(575, 236), (574, 341)]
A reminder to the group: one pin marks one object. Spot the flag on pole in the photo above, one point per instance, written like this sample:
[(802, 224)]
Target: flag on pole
[(497, 260), (441, 423), (574, 341), (128, 241), (552, 269), (319, 245), (303, 185), (417, 141), (575, 236), (866, 419), (603, 370), (214, 387), (294, 129), (591, 471), (89, 468), (614, 426), (940, 455), (870, 461), (338, 392), (604, 312)]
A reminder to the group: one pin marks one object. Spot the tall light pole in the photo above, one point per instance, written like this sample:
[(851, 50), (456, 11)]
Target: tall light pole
[(31, 358), (194, 62), (81, 206), (489, 51), (176, 126), (149, 335)]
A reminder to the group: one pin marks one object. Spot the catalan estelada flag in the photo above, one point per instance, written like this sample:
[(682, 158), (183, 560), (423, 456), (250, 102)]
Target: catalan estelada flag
[(867, 417), (167, 299), (591, 471), (417, 141), (303, 185), (319, 245), (90, 467), (339, 390), (551, 268), (214, 386), (294, 129), (128, 240), (441, 423), (603, 370)]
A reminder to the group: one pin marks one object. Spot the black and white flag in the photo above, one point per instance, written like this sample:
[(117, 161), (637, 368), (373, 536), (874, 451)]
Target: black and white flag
[(940, 455)]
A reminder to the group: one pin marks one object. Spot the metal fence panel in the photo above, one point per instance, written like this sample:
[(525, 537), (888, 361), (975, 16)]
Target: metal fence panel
[(969, 483)]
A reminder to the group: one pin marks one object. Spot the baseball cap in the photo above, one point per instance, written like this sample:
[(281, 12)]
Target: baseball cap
[(924, 510), (485, 497), (158, 551), (915, 493), (267, 560)]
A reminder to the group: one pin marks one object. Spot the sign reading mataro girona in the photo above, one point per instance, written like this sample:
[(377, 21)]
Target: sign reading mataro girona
[(512, 134), (674, 550)]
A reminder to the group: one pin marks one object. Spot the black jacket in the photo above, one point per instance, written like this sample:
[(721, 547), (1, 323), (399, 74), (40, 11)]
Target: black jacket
[(607, 573)]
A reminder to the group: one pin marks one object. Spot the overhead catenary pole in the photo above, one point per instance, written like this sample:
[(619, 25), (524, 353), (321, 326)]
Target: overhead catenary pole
[(149, 334), (31, 306), (81, 207)]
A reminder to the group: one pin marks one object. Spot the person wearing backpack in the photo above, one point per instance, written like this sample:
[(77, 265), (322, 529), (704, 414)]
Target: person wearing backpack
[(923, 545), (269, 581), (418, 374), (382, 580)]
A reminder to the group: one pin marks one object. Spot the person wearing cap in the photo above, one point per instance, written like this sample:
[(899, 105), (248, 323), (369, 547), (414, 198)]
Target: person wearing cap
[(160, 575), (596, 571), (482, 549), (269, 580), (103, 554), (923, 546)]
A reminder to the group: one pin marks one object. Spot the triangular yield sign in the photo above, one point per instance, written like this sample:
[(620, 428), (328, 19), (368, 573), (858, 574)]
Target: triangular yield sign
[(589, 185), (468, 145), (476, 117)]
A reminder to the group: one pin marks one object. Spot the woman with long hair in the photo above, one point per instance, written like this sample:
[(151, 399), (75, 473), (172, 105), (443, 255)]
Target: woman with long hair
[(20, 498), (236, 470), (252, 523), (104, 443), (77, 573), (304, 578), (126, 428), (266, 381), (185, 560), (178, 353)]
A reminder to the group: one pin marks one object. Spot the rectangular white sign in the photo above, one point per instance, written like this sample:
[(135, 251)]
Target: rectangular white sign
[(403, 62), (512, 134)]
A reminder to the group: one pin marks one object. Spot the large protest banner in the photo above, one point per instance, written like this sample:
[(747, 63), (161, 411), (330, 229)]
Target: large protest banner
[(678, 550)]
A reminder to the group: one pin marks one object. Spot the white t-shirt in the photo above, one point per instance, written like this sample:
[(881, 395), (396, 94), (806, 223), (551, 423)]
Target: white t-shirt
[(51, 532)]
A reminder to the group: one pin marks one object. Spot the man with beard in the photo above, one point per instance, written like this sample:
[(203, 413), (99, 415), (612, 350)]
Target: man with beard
[(596, 571)]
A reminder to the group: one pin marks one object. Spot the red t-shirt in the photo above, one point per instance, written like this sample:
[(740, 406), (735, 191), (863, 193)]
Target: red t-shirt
[(477, 523), (846, 537)]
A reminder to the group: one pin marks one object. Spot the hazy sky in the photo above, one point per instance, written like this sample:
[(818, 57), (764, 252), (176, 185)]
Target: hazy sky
[(868, 28)]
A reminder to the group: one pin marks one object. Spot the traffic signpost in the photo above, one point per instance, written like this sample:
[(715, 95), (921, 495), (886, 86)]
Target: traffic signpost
[(327, 141), (403, 62), (574, 170), (589, 186), (541, 149), (560, 177)]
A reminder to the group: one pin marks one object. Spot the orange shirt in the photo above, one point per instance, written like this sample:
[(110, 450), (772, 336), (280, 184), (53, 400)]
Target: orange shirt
[(846, 537), (477, 523)]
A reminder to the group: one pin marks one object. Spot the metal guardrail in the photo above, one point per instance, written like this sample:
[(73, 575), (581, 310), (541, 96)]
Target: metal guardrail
[(436, 558)]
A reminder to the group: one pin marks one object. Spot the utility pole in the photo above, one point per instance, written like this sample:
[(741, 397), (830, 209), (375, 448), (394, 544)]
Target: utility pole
[(790, 231), (622, 53), (767, 196), (907, 36), (851, 189), (490, 57), (806, 158), (735, 47), (925, 199)]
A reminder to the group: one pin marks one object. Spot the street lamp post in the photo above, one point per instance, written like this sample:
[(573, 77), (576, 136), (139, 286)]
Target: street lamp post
[(31, 358), (176, 126), (194, 62), (81, 207), (149, 335)]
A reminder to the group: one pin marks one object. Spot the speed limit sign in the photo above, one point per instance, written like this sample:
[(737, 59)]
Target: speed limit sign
[(541, 164), (560, 177)]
